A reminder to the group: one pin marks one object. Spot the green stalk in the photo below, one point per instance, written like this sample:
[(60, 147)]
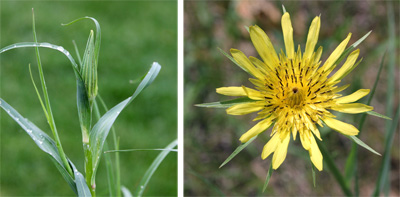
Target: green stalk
[(50, 117), (335, 171)]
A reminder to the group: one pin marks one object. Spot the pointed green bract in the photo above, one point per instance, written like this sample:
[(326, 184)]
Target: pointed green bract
[(350, 48), (269, 174), (226, 104), (153, 167), (233, 60), (373, 113), (237, 151), (361, 143)]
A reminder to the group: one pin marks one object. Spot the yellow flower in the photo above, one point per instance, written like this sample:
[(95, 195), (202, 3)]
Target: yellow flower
[(293, 92)]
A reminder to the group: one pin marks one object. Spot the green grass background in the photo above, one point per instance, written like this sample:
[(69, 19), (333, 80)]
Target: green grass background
[(134, 34), (211, 135)]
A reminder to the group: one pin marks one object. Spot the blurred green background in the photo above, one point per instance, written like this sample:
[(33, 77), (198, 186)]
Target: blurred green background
[(211, 135), (134, 34)]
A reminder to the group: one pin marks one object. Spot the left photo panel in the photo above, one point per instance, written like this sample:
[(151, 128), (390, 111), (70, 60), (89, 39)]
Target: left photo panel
[(88, 97)]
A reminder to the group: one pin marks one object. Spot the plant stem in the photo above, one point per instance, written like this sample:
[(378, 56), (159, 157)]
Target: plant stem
[(335, 171)]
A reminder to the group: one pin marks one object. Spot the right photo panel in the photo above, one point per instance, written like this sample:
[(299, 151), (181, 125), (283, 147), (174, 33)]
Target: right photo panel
[(297, 98)]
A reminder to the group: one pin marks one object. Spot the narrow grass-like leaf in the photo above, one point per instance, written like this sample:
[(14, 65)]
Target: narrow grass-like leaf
[(126, 192), (153, 167), (77, 54), (233, 60), (237, 151), (83, 190), (385, 167), (373, 113), (335, 171), (100, 130), (42, 140), (269, 174), (226, 104), (361, 143), (49, 112)]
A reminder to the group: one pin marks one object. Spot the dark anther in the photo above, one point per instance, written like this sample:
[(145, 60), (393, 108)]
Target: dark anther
[(295, 90)]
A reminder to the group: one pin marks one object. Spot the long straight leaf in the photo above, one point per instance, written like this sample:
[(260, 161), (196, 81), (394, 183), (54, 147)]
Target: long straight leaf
[(100, 130), (153, 167), (43, 141), (237, 151), (385, 167)]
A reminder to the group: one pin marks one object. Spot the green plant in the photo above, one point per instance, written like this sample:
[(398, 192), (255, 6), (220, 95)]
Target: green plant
[(94, 126)]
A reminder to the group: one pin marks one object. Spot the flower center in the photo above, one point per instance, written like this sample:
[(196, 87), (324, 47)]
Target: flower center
[(295, 97)]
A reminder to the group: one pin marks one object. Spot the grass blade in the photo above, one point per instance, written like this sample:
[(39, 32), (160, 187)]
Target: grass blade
[(49, 112), (269, 174), (100, 130), (226, 104), (385, 167), (43, 141), (153, 167), (237, 151), (83, 190)]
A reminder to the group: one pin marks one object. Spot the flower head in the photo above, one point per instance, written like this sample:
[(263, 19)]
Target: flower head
[(294, 92)]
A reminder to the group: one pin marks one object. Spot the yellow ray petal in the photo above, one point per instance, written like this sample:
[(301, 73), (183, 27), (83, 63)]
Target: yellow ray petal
[(288, 35), (336, 53), (280, 152), (351, 59), (245, 108), (342, 127), (253, 94), (263, 46), (257, 129), (235, 91), (353, 97), (245, 62), (352, 108), (312, 37), (315, 154), (270, 147), (232, 91), (305, 140)]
